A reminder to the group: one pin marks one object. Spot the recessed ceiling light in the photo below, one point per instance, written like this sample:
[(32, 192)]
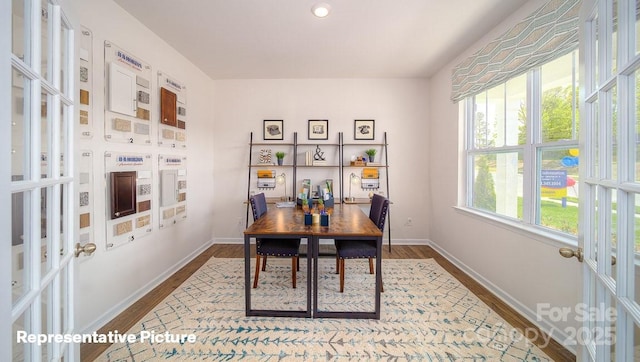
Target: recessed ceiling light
[(321, 10)]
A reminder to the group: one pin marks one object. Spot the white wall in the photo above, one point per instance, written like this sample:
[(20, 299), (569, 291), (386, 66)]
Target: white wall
[(523, 269), (399, 107), (109, 280)]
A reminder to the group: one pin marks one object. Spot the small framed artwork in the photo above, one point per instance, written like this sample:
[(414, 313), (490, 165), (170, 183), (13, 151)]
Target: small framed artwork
[(318, 129), (273, 130), (364, 129)]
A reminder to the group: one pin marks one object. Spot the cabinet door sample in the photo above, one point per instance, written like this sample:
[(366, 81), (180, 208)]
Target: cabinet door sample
[(122, 90), (123, 194), (169, 187), (168, 110)]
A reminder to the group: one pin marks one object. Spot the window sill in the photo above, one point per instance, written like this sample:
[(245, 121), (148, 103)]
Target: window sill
[(539, 234)]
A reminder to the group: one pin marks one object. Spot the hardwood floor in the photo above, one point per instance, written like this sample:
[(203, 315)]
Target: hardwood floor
[(130, 317)]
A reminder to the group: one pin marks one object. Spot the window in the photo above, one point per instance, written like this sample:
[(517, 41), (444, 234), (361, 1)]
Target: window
[(522, 147)]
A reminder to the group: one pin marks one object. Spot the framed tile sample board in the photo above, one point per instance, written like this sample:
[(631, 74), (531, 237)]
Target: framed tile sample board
[(172, 125), (173, 189), (85, 107), (129, 186), (86, 198), (128, 100)]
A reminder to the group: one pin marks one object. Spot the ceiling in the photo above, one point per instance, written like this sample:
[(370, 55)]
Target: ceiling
[(268, 39)]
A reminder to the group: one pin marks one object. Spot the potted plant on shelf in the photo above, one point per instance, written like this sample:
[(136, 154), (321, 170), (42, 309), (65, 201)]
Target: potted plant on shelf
[(371, 153), (280, 157)]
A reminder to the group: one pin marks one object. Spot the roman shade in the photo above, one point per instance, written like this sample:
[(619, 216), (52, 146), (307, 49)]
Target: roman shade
[(548, 33)]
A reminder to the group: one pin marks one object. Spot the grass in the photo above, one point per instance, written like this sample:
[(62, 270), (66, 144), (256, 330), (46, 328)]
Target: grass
[(565, 219)]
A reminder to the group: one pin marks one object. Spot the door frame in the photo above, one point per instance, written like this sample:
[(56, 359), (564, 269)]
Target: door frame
[(5, 177)]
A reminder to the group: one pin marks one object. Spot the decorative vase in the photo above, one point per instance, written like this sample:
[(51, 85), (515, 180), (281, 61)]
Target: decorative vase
[(279, 161), (371, 158)]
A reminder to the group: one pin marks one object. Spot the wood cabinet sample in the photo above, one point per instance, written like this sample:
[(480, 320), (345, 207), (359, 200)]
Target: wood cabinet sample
[(123, 193), (168, 110)]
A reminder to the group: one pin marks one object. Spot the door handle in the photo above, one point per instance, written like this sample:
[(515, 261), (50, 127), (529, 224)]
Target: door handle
[(570, 253), (87, 248)]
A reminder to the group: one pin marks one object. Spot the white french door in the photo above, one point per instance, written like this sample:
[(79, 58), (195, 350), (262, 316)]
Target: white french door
[(610, 180), (39, 168)]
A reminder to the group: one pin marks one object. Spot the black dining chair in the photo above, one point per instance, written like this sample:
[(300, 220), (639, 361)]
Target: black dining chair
[(289, 248), (360, 249)]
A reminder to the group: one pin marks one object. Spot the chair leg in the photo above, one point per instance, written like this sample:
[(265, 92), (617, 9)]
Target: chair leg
[(370, 265), (294, 262), (341, 275), (264, 263), (255, 278), (337, 265)]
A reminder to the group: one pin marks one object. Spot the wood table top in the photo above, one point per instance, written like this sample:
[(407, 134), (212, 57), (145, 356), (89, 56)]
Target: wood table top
[(344, 220)]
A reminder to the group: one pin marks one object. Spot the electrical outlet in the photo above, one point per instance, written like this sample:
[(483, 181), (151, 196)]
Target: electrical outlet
[(409, 222)]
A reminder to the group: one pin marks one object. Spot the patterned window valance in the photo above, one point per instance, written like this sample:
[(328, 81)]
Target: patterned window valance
[(549, 32)]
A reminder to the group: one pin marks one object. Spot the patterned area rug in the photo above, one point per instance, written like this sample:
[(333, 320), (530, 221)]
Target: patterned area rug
[(426, 315)]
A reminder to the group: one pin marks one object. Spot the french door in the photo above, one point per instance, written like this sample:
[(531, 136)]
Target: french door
[(38, 166), (610, 180)]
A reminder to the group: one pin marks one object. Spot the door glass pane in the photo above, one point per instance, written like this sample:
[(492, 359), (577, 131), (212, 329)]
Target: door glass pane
[(558, 204), (636, 225), (614, 133), (19, 224), (19, 42), (45, 132), (594, 143), (19, 127), (65, 66), (636, 123), (594, 57), (614, 37), (45, 39), (497, 185), (45, 238), (64, 122), (47, 326), (595, 222), (612, 242), (64, 313), (637, 33), (635, 349), (21, 325), (558, 99), (515, 125)]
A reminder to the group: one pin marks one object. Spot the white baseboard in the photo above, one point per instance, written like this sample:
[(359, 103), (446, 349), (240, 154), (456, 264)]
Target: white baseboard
[(525, 311), (122, 306)]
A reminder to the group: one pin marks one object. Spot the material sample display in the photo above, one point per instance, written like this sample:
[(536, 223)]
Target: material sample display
[(130, 195), (127, 94), (172, 112), (86, 197), (173, 189), (86, 83)]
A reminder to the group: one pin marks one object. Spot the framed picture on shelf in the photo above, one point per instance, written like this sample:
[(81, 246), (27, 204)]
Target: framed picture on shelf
[(364, 129), (272, 130), (318, 129)]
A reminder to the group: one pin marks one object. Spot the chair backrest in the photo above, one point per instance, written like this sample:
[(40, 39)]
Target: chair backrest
[(258, 205), (378, 212)]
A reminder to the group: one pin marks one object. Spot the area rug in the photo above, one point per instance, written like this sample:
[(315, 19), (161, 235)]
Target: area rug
[(426, 315)]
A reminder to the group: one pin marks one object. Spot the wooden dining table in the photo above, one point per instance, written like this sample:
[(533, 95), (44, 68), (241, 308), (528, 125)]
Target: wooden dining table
[(345, 222)]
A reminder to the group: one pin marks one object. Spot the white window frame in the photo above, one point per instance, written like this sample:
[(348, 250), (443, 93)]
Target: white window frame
[(532, 153)]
